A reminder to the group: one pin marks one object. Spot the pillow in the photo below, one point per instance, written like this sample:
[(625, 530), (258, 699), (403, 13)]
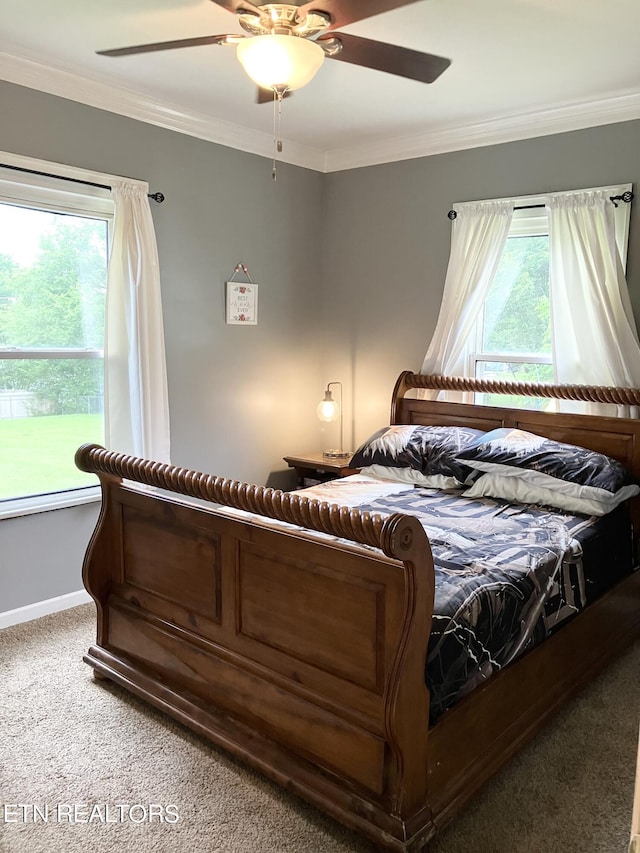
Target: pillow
[(517, 490), (410, 476), (551, 466), (428, 449)]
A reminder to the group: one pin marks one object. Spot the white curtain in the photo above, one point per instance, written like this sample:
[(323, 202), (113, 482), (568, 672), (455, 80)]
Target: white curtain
[(136, 398), (594, 336), (478, 238)]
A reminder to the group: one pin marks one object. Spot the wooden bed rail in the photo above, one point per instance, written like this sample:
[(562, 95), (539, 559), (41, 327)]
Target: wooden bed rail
[(394, 534), (587, 393)]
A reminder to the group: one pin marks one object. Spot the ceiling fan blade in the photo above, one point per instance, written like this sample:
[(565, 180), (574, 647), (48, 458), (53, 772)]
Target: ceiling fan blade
[(170, 45), (424, 67), (343, 12), (265, 96)]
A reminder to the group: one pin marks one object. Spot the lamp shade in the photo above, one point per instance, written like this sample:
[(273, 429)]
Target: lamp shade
[(280, 61)]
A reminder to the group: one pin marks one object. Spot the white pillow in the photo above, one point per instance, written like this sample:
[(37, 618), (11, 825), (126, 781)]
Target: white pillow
[(411, 476), (517, 490)]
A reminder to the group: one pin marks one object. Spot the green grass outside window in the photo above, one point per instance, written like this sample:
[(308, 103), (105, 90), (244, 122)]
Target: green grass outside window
[(36, 453)]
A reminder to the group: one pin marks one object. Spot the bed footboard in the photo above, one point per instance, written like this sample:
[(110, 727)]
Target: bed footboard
[(304, 656)]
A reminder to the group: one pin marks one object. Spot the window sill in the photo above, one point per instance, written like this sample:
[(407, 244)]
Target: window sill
[(47, 503)]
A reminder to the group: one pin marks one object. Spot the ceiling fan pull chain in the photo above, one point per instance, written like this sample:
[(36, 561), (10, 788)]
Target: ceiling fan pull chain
[(279, 142), (275, 141), (277, 121)]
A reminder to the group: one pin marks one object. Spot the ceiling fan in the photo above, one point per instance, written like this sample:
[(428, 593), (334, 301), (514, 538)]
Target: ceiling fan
[(286, 43)]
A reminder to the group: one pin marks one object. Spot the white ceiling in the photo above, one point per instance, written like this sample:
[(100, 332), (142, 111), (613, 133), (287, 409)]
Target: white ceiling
[(520, 68)]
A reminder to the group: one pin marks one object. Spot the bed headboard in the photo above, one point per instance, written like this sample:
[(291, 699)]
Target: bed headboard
[(617, 437)]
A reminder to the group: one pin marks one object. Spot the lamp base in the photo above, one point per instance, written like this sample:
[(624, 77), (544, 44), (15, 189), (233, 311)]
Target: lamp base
[(336, 454)]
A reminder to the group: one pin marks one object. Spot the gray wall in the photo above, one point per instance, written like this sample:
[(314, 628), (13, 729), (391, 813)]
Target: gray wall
[(41, 555), (240, 397), (387, 240), (351, 267)]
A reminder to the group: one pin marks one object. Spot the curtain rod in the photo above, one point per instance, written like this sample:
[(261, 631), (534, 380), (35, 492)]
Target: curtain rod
[(159, 197), (626, 197)]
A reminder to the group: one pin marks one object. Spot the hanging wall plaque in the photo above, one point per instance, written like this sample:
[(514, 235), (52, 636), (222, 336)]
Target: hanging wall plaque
[(242, 300)]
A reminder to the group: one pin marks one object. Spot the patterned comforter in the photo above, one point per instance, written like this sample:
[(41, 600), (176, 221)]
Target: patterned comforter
[(506, 575)]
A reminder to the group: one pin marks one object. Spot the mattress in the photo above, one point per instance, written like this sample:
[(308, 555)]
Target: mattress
[(507, 575)]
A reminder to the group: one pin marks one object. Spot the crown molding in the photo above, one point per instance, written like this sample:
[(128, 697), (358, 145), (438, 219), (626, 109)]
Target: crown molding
[(127, 102), (559, 119)]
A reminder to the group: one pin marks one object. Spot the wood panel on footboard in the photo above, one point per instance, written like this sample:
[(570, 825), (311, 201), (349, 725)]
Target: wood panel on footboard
[(304, 655)]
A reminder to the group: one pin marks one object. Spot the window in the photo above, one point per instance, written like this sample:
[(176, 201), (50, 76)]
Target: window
[(512, 339), (513, 332), (53, 278)]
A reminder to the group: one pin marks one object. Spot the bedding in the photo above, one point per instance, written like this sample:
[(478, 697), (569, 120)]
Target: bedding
[(410, 476), (507, 575), (532, 469), (519, 490), (430, 453)]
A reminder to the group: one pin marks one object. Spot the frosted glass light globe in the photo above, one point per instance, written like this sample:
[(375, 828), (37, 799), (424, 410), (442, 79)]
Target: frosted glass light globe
[(280, 61)]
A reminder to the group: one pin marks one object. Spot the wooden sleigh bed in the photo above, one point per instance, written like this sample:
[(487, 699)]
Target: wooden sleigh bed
[(304, 655)]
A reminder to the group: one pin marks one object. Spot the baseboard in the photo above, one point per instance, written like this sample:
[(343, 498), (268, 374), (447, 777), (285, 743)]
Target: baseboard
[(43, 608)]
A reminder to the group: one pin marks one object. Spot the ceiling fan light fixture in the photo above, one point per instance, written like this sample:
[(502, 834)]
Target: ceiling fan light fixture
[(280, 61)]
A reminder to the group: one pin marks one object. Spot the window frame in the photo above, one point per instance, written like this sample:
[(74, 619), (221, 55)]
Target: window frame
[(41, 192)]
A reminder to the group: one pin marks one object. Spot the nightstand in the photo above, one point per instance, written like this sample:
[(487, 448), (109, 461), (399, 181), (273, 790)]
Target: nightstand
[(313, 468)]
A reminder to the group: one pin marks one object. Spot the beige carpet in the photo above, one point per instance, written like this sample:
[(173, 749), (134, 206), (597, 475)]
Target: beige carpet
[(65, 739)]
